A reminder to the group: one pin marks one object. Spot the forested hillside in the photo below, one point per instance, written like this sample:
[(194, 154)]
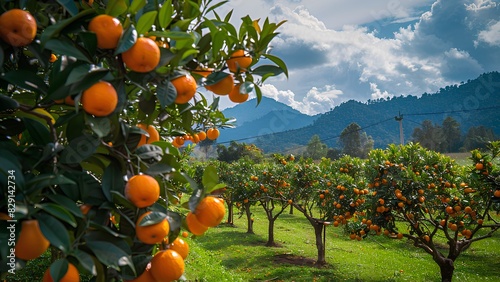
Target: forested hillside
[(472, 103)]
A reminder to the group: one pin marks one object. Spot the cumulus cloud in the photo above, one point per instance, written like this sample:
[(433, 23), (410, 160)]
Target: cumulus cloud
[(491, 35)]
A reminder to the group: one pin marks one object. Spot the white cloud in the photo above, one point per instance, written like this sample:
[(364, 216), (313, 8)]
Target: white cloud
[(480, 5), (491, 35), (377, 93)]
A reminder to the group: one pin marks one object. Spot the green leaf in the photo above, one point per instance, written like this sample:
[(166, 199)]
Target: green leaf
[(210, 177), (47, 180), (166, 94), (149, 151), (38, 131), (58, 269), (70, 6), (54, 31), (66, 203), (159, 168), (86, 261), (79, 149), (54, 231), (7, 104), (216, 187), (101, 126), (146, 21), (58, 212), (110, 254), (112, 179), (152, 218), (136, 5), (281, 64), (165, 15), (27, 80), (128, 39), (65, 46), (116, 7), (119, 198)]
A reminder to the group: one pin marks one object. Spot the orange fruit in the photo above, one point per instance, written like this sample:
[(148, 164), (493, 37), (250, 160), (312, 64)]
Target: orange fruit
[(479, 166), (180, 246), (142, 190), (239, 61), (144, 55), (31, 242), (202, 135), (496, 194), (185, 234), (85, 208), (151, 234), (186, 88), (178, 141), (52, 58), (194, 224), (223, 86), (167, 265), (100, 99), (107, 29), (72, 275), (17, 27), (213, 133), (153, 134), (236, 96), (210, 211)]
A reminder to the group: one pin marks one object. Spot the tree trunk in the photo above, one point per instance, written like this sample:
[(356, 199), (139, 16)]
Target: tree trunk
[(270, 232), (249, 219), (230, 213), (446, 266), (320, 246), (291, 209)]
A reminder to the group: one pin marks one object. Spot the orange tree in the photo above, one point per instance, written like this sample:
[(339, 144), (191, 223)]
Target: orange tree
[(327, 194), (423, 196), (82, 83), (273, 190)]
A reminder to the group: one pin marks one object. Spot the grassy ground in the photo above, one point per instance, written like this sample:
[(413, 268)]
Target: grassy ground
[(229, 254)]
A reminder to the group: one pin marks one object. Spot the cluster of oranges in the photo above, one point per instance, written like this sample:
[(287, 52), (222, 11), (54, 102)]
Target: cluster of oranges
[(237, 63), (211, 134), (209, 213)]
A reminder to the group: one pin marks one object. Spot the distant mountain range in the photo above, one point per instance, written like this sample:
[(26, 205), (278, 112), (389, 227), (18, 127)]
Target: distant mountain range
[(472, 103)]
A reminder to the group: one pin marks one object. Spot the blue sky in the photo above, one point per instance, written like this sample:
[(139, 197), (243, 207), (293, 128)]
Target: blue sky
[(338, 50)]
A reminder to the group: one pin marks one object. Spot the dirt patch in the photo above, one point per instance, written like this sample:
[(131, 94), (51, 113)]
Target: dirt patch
[(294, 260)]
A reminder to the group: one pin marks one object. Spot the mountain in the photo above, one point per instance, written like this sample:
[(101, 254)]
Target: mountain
[(269, 117), (472, 103)]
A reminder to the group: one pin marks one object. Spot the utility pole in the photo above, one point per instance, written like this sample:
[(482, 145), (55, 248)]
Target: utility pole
[(399, 119)]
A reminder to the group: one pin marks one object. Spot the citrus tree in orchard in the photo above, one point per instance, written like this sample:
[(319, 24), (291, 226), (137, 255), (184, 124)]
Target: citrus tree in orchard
[(328, 193), (95, 99), (273, 191), (424, 196)]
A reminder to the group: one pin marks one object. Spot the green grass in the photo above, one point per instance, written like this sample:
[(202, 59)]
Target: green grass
[(244, 257)]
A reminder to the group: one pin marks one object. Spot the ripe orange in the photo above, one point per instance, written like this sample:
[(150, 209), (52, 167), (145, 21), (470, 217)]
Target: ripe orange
[(17, 27), (72, 275), (142, 190), (167, 265), (213, 133), (202, 135), (180, 246), (107, 29), (186, 88), (151, 234), (239, 61), (85, 208), (153, 134), (185, 234), (496, 194), (31, 242), (194, 224), (479, 166), (210, 211), (236, 96), (223, 86), (100, 99), (144, 55)]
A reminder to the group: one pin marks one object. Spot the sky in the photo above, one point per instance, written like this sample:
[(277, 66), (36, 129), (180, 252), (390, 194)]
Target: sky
[(340, 50)]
